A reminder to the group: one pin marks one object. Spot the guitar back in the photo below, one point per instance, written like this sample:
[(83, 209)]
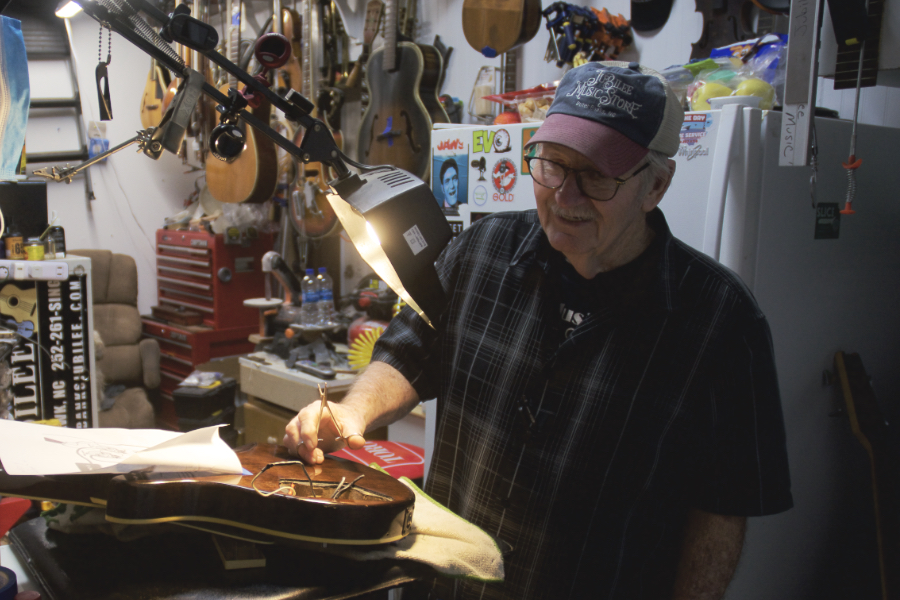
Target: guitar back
[(396, 127), (493, 27)]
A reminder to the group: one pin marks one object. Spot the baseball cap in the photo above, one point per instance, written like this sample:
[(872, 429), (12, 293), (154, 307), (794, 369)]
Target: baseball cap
[(613, 113)]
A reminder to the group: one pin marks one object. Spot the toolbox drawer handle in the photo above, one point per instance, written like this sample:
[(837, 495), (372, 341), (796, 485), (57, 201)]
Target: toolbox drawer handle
[(183, 261), (184, 272), (169, 290), (188, 304), (191, 284), (168, 341), (185, 249)]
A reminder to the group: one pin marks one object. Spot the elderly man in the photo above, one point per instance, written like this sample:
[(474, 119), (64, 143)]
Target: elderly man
[(607, 399)]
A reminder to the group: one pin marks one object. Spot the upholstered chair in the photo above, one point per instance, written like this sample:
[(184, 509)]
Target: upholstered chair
[(127, 360)]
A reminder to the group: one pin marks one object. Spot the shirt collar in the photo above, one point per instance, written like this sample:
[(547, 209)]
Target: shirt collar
[(535, 246)]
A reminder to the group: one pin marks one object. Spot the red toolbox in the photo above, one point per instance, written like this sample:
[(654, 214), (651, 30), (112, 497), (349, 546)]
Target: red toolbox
[(197, 270), (182, 348)]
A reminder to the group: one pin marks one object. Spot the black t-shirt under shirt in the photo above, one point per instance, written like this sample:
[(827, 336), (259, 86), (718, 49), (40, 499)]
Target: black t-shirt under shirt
[(623, 288)]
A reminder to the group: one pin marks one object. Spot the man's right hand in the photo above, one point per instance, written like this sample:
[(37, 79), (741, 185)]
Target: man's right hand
[(302, 438)]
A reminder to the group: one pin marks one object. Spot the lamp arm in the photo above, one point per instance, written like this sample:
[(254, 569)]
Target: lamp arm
[(318, 144)]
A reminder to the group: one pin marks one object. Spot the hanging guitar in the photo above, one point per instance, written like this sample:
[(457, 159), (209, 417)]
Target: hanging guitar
[(374, 11), (493, 28), (871, 429), (253, 175), (402, 78), (158, 81), (278, 499), (308, 206)]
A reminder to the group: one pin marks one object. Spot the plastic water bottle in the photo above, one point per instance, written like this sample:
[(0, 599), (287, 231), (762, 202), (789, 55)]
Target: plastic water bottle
[(309, 311), (326, 297)]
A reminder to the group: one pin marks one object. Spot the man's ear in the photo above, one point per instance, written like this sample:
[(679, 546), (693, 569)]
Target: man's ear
[(656, 193)]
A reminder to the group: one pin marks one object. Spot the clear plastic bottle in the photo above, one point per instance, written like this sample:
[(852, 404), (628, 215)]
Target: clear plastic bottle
[(309, 310), (326, 298)]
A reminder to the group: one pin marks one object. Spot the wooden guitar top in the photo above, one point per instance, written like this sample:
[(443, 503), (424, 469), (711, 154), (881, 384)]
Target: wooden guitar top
[(276, 506)]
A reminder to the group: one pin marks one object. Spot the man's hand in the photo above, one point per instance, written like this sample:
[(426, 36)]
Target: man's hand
[(306, 437)]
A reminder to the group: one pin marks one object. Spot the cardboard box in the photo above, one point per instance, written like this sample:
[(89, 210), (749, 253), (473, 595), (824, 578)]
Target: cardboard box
[(492, 175)]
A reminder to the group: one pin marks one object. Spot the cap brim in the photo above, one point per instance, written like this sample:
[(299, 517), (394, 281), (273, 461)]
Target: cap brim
[(611, 152)]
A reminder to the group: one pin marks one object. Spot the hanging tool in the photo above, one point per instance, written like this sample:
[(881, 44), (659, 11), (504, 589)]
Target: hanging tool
[(853, 162)]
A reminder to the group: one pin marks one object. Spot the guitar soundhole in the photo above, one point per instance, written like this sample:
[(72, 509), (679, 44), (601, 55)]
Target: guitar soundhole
[(12, 301)]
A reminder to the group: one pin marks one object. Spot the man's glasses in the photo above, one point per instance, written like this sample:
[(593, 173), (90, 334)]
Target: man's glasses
[(592, 183)]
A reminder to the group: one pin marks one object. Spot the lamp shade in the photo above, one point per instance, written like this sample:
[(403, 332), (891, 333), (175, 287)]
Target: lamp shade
[(398, 227)]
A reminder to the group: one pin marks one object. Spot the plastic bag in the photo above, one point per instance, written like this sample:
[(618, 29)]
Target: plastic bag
[(750, 68)]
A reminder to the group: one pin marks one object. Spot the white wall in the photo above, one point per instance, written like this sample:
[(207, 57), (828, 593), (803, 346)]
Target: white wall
[(133, 193)]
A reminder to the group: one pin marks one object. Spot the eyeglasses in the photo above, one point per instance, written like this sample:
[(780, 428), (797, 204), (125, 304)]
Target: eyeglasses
[(592, 184)]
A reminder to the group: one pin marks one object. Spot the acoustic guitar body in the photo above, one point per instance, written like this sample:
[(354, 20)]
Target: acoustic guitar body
[(308, 205), (493, 27), (376, 509), (153, 96), (396, 127), (251, 177)]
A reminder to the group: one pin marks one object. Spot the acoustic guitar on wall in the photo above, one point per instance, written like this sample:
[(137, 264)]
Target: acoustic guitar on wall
[(494, 27), (308, 206), (158, 81), (253, 176), (402, 78)]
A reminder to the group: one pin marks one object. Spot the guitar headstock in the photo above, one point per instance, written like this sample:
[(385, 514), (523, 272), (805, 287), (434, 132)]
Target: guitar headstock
[(866, 419), (374, 12)]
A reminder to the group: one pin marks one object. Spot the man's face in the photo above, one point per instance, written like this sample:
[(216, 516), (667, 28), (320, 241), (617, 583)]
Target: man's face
[(450, 183), (595, 236)]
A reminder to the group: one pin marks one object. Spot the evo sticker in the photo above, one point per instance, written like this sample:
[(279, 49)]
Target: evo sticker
[(415, 239)]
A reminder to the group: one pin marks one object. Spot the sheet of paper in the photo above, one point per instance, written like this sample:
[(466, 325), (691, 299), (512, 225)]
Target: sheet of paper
[(31, 449)]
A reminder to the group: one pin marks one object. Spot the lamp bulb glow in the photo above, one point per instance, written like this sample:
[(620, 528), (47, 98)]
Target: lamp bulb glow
[(372, 234), (69, 10)]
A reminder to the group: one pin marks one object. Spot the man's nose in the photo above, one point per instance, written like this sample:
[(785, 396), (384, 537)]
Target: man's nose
[(568, 193)]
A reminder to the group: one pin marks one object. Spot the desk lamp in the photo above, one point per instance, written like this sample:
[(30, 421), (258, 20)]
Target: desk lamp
[(391, 216)]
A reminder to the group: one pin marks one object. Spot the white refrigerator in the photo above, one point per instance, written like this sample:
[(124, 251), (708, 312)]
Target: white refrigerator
[(730, 199)]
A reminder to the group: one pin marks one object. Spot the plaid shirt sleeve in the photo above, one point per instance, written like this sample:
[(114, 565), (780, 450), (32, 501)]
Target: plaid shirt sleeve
[(748, 471)]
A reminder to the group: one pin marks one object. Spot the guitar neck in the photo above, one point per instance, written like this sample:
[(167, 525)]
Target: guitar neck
[(509, 71), (233, 40), (390, 36)]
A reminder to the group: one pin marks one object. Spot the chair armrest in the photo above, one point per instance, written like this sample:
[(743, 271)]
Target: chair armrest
[(150, 362)]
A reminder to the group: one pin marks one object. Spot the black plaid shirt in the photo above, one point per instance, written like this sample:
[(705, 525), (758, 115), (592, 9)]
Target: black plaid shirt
[(584, 454)]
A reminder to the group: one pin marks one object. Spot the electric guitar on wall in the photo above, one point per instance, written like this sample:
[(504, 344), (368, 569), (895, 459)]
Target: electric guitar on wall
[(253, 176), (871, 429), (402, 78)]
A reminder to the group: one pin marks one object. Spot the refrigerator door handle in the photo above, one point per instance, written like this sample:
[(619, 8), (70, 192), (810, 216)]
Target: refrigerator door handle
[(718, 184)]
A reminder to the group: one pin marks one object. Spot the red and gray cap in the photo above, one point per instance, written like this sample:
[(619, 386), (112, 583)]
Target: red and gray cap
[(613, 113)]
